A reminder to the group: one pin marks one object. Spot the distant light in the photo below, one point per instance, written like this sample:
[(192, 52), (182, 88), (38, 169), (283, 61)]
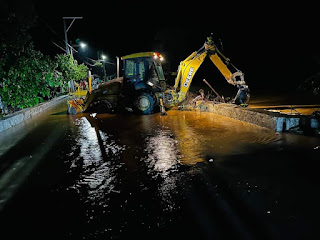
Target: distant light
[(83, 45), (158, 56), (104, 57)]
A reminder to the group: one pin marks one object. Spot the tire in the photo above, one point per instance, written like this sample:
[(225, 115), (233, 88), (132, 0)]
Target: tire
[(144, 103)]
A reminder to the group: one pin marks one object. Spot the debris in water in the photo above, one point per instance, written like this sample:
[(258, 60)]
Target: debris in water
[(316, 148), (93, 115), (199, 97), (219, 98), (115, 191), (129, 109)]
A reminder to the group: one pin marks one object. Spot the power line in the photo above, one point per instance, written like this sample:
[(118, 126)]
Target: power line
[(59, 46), (67, 29)]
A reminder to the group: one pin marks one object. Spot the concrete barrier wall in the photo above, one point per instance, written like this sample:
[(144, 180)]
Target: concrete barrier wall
[(272, 120), (24, 114), (244, 114)]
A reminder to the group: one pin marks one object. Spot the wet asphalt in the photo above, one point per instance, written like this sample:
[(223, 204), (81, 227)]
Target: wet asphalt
[(187, 175)]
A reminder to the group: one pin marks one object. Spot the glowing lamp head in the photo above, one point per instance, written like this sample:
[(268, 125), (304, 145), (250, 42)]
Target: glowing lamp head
[(158, 56), (83, 45), (155, 55)]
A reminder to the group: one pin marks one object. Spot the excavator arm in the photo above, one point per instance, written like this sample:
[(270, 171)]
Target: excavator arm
[(191, 64), (186, 72), (236, 78)]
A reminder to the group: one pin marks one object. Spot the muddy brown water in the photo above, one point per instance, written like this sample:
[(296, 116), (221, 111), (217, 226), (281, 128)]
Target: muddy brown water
[(111, 176)]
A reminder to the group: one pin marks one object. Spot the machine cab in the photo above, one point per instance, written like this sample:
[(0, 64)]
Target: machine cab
[(144, 71)]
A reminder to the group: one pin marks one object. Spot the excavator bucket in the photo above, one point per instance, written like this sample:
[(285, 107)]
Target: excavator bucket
[(104, 99), (75, 106)]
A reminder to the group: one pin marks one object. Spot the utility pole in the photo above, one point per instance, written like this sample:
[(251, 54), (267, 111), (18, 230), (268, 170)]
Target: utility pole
[(117, 67), (67, 29)]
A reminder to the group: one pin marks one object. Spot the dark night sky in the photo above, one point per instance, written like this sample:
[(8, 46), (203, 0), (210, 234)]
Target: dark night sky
[(274, 45)]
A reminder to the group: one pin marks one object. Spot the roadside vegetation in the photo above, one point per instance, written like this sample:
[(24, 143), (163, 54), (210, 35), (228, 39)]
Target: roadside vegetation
[(27, 76)]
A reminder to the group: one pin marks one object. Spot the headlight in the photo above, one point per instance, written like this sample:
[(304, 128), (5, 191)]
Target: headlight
[(150, 84)]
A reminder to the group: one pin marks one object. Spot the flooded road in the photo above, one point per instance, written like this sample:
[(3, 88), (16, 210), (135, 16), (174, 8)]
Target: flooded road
[(187, 175)]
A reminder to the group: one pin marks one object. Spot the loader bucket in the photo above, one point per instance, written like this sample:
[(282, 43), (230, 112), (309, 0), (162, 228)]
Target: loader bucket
[(75, 106)]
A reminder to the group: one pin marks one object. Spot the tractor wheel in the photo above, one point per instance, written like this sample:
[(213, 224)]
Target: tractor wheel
[(144, 103)]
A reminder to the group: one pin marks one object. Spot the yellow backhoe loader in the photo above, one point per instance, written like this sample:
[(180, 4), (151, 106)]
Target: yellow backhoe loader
[(143, 86)]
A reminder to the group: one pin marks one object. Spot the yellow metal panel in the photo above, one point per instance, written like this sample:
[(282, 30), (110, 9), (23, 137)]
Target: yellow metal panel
[(188, 68), (181, 69), (136, 55), (89, 82), (222, 67), (178, 78), (79, 93), (76, 104)]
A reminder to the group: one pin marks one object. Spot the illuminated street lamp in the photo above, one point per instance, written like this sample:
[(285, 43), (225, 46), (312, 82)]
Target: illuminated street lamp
[(83, 45), (103, 60)]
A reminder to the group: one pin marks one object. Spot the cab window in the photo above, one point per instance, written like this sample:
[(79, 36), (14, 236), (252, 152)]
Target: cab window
[(160, 71), (141, 69), (130, 69)]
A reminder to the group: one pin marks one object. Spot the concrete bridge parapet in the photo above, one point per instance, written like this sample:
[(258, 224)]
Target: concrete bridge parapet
[(272, 120)]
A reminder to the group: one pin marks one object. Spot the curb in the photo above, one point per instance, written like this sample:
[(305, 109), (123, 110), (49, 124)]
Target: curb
[(24, 114)]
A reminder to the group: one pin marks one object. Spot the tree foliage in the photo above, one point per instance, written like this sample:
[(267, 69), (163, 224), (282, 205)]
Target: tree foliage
[(28, 77), (70, 68)]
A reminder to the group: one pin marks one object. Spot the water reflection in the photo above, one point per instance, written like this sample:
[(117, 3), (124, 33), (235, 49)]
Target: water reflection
[(162, 152), (125, 158), (88, 142), (97, 176), (188, 141), (162, 159), (117, 176), (201, 134)]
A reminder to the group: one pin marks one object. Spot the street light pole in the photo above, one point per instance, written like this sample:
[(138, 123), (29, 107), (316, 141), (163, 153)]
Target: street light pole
[(65, 36), (67, 29), (117, 67), (104, 57)]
